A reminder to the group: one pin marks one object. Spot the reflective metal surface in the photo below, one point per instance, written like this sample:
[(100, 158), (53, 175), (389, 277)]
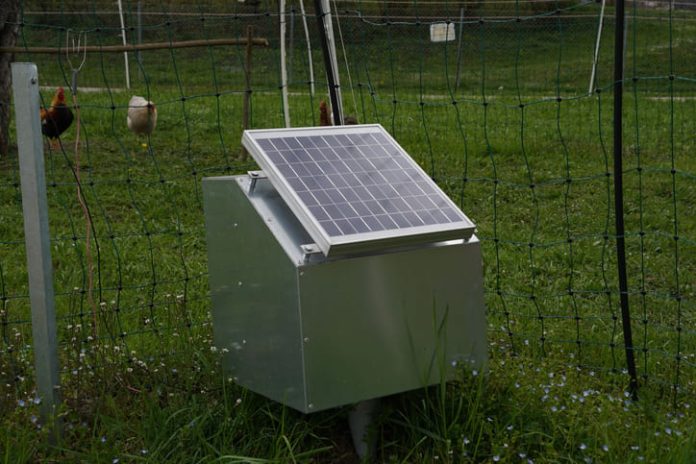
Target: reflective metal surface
[(383, 324), (346, 181), (254, 292), (314, 332)]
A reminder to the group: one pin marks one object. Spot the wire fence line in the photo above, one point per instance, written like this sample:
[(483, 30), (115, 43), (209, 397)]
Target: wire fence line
[(500, 117)]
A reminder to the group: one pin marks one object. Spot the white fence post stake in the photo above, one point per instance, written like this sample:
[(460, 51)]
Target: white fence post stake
[(283, 65), (310, 60), (25, 84), (125, 42)]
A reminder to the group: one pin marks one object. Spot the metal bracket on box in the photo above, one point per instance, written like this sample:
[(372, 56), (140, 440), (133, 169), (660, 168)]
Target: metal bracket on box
[(254, 176), (308, 250)]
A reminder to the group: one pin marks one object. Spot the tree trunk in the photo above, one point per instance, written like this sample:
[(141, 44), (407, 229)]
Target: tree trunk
[(9, 26)]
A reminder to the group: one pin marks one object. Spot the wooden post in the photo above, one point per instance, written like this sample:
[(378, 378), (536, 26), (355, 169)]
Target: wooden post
[(258, 41), (247, 76), (138, 55)]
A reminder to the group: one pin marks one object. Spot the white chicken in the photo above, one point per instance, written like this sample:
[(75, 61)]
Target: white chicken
[(142, 115)]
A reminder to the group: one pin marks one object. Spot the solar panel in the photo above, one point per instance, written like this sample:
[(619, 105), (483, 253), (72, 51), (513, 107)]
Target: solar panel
[(354, 188)]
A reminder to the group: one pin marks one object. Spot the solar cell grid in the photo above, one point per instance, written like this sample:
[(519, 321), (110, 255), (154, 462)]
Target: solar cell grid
[(356, 183)]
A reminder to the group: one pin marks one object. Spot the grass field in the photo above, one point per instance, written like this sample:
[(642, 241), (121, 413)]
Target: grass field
[(519, 145)]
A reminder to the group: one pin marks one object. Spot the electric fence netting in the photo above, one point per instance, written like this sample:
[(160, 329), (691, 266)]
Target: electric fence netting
[(508, 105), (125, 210), (513, 116)]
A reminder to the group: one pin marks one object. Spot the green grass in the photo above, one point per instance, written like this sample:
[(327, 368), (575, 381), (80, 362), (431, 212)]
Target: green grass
[(522, 410), (143, 383)]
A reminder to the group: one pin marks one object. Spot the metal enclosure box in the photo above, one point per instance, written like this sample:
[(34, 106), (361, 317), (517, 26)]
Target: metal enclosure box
[(313, 332)]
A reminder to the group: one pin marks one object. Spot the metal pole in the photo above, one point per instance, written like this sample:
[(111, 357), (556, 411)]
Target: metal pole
[(246, 109), (291, 47), (328, 63), (359, 420), (331, 41), (596, 52), (123, 36), (25, 83), (283, 65), (310, 60), (618, 196)]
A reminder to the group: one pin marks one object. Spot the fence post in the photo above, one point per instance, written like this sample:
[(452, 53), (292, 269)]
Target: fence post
[(328, 62), (618, 195), (284, 63), (25, 84), (309, 48), (138, 54), (246, 108)]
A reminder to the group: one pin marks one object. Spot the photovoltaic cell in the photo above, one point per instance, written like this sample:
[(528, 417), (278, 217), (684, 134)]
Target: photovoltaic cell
[(356, 184)]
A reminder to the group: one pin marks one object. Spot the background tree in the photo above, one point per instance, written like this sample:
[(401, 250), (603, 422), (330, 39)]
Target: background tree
[(9, 25)]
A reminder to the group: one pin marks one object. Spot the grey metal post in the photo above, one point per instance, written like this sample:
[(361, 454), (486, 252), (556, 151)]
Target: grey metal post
[(25, 84), (327, 45), (359, 420)]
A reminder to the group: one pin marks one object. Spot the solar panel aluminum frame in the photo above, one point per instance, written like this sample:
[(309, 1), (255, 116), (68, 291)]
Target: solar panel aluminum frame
[(359, 242)]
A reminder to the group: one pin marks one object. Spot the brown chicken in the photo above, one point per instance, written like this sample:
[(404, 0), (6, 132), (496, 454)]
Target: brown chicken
[(57, 118), (325, 117)]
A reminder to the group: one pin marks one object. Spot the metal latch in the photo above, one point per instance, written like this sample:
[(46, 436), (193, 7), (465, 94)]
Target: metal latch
[(254, 176)]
